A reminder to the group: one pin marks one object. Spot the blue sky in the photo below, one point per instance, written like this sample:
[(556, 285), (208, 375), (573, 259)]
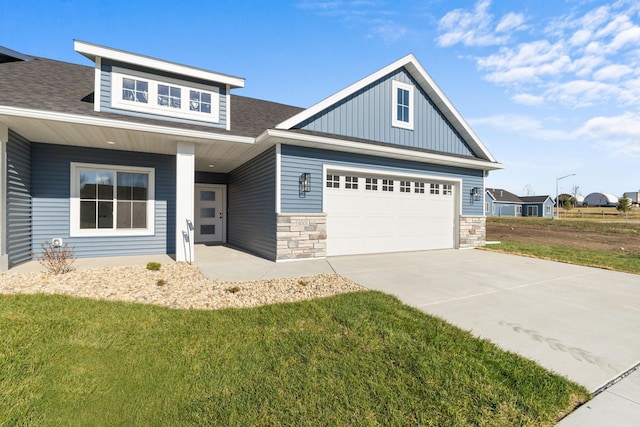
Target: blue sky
[(551, 87)]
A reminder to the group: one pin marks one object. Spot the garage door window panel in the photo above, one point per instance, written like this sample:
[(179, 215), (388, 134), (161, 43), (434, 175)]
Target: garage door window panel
[(371, 184), (351, 182), (434, 188), (333, 181)]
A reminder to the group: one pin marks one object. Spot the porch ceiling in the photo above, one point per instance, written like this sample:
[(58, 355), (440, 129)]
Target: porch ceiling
[(224, 153)]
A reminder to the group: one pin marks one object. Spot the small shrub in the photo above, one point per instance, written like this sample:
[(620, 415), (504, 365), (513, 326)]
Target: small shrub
[(161, 282), (233, 290), (153, 266), (302, 283), (56, 259)]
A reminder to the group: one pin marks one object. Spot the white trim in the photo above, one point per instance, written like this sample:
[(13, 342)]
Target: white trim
[(4, 140), (411, 64), (152, 106), (228, 102), (119, 124), (278, 178), (97, 85), (315, 141), (93, 51), (74, 202), (185, 192), (395, 85)]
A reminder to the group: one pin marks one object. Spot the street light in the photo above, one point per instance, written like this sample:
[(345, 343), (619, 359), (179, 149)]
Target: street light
[(558, 201)]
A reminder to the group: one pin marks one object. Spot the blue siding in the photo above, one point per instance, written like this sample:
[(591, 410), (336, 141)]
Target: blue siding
[(105, 95), (18, 193), (295, 160), (367, 114), (50, 200), (251, 205), (506, 209)]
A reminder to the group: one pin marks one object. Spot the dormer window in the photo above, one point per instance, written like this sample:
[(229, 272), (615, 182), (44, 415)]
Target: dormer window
[(402, 109), (169, 96), (135, 90), (199, 101), (146, 93)]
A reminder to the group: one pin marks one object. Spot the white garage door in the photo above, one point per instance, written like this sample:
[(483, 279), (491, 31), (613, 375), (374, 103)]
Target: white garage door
[(374, 214)]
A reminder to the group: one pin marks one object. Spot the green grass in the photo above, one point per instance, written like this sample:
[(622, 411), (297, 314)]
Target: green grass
[(354, 359), (620, 261)]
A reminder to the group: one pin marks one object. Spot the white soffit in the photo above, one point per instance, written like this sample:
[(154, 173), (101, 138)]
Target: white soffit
[(93, 51), (411, 64)]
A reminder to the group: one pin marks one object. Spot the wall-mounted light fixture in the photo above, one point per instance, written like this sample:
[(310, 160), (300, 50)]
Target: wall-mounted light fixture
[(475, 194), (305, 182)]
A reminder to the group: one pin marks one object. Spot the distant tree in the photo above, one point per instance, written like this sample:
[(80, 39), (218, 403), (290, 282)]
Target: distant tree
[(575, 191), (528, 190), (566, 202), (624, 205)]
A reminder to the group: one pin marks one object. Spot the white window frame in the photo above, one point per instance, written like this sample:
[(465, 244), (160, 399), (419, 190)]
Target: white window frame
[(152, 106), (74, 202), (395, 85), (547, 209), (518, 210)]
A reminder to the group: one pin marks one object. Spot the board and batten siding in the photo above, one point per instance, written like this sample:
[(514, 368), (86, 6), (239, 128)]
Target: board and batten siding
[(251, 199), (18, 199), (51, 178), (106, 87), (295, 160), (367, 114)]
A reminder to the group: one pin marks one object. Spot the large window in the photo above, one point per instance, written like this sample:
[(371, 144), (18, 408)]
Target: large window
[(143, 92), (111, 200), (402, 112)]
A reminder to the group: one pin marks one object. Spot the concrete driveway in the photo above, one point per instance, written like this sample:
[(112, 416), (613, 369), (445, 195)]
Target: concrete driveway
[(578, 321)]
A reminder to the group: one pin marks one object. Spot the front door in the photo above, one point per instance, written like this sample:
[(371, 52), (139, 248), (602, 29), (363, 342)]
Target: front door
[(210, 211)]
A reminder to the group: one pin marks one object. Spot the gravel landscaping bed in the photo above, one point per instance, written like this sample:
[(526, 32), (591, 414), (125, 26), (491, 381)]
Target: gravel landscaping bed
[(175, 285)]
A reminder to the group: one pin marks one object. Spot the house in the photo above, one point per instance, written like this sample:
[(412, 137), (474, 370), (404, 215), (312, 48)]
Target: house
[(541, 206), (499, 202), (600, 199), (137, 155)]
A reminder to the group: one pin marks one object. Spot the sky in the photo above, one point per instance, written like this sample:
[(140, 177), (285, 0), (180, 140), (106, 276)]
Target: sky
[(551, 87)]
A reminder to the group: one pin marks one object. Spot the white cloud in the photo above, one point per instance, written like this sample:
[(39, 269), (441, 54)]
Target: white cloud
[(474, 28), (580, 59), (511, 21), (612, 72), (619, 134), (528, 99)]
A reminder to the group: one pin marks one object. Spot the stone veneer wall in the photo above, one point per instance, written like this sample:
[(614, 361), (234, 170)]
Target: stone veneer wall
[(473, 231), (301, 235)]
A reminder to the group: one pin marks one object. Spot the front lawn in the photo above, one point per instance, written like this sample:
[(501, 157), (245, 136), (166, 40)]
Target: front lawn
[(619, 261), (355, 359)]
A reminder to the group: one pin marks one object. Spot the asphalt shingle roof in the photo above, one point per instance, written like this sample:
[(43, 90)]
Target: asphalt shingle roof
[(501, 195), (46, 84)]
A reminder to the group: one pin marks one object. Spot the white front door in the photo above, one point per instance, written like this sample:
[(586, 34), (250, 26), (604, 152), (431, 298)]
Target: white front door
[(210, 212)]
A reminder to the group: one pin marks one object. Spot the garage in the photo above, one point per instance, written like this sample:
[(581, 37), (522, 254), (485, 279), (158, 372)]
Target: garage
[(377, 213)]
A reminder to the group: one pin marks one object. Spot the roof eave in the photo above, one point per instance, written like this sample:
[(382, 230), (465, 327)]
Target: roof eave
[(93, 51), (338, 144)]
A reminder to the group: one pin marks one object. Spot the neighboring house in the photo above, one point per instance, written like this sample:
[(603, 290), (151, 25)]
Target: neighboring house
[(601, 199), (541, 206), (499, 202), (142, 156)]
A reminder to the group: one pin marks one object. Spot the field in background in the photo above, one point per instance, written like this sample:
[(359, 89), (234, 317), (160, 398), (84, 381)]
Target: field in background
[(597, 213)]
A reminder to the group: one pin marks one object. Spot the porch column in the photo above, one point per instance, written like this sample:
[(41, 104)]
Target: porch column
[(185, 176), (4, 139)]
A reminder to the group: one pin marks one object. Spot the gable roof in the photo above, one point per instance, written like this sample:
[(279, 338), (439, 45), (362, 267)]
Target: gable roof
[(418, 73), (8, 55), (535, 199), (504, 196), (500, 195)]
